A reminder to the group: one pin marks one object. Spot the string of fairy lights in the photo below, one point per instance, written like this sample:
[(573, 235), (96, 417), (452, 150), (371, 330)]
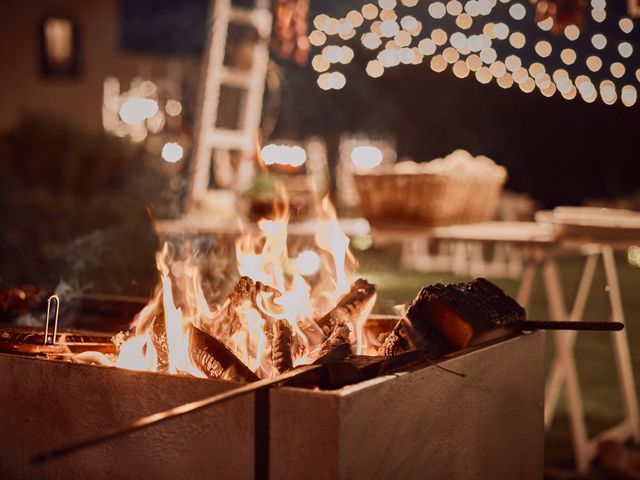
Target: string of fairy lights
[(475, 43)]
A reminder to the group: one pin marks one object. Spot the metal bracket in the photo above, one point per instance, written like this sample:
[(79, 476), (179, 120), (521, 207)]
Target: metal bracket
[(55, 323)]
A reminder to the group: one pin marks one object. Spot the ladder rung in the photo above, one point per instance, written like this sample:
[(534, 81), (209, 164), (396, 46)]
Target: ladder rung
[(259, 18), (235, 77), (225, 139)]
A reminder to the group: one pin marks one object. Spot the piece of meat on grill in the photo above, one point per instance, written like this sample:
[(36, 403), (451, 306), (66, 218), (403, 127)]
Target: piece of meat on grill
[(464, 313)]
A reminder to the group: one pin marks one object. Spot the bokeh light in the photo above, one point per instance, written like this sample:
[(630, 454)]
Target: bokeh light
[(396, 36), (572, 32), (172, 152)]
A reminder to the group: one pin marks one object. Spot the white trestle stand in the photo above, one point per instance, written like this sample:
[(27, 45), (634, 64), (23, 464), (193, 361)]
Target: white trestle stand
[(540, 248)]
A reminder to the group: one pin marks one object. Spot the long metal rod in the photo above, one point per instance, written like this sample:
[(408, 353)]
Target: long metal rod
[(570, 325), (157, 418)]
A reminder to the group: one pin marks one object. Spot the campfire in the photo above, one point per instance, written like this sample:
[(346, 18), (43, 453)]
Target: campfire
[(280, 314), (282, 325), (288, 311)]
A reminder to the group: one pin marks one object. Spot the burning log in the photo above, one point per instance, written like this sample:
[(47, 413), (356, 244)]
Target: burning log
[(229, 319), (278, 331), (339, 339), (215, 360), (396, 342), (352, 305), (210, 355), (245, 292), (281, 346), (159, 338), (404, 338)]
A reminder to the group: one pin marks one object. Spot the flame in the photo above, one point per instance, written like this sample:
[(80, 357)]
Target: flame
[(332, 239), (138, 353), (288, 291), (249, 343)]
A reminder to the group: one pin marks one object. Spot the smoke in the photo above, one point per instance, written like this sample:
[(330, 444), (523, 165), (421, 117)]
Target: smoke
[(213, 256), (81, 258)]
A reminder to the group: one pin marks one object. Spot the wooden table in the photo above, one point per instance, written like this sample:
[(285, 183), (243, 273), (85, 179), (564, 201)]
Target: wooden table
[(206, 225), (460, 248)]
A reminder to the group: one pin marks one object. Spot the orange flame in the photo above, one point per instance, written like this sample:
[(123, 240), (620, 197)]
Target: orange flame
[(138, 353), (264, 258)]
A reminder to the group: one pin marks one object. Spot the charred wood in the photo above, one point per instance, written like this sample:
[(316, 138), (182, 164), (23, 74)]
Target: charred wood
[(215, 360), (396, 342), (281, 346), (228, 319), (159, 339), (356, 368), (208, 353), (338, 339), (405, 338), (353, 304)]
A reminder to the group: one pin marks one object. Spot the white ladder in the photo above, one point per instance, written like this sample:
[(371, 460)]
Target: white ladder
[(215, 75)]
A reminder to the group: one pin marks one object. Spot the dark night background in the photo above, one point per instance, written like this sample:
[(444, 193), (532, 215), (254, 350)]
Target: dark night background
[(558, 151), (79, 214)]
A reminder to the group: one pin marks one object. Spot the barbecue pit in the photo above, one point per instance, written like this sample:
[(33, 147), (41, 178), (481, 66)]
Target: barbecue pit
[(421, 423)]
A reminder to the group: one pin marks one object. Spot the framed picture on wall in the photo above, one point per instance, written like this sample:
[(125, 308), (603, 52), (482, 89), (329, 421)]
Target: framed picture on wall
[(633, 8), (59, 47)]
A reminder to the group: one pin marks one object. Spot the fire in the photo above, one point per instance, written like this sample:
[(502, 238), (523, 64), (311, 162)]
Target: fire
[(249, 342), (138, 353), (269, 323), (333, 240), (176, 328)]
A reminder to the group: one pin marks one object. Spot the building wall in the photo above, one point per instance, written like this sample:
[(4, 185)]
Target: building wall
[(24, 89)]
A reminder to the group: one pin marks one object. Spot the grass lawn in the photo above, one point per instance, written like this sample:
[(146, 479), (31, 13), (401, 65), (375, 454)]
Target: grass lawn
[(594, 353)]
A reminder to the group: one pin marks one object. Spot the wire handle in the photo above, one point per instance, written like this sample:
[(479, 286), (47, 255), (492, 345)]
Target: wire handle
[(55, 323)]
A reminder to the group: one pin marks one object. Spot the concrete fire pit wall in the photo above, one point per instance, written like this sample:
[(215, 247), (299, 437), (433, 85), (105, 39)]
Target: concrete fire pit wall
[(426, 424), (423, 424), (46, 404)]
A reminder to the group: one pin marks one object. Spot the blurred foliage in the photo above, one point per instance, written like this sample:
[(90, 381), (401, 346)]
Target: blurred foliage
[(264, 184), (73, 208)]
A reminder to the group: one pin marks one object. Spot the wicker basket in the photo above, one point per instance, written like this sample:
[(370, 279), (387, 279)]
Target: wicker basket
[(429, 198)]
